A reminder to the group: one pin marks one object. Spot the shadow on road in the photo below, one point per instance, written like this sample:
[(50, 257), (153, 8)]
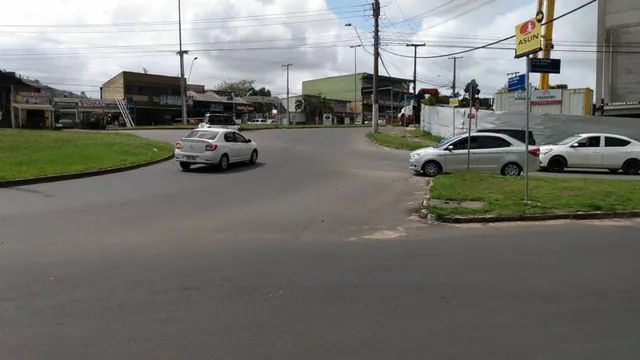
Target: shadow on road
[(233, 168)]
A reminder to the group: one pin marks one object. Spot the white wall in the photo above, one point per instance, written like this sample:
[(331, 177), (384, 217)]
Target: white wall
[(547, 128), (574, 102)]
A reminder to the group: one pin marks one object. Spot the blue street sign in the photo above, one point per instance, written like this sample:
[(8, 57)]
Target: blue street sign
[(516, 83), (547, 66)]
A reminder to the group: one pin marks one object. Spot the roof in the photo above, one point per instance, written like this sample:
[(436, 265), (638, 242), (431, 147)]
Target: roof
[(213, 97), (361, 75)]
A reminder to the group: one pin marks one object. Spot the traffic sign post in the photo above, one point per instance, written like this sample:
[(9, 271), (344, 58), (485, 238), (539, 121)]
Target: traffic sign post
[(528, 41), (545, 66), (516, 83)]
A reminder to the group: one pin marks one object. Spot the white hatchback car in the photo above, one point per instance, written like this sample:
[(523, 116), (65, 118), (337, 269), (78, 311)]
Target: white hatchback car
[(214, 146), (592, 151), (490, 152)]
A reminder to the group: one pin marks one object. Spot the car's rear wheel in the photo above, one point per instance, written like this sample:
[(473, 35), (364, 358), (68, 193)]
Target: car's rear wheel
[(631, 166), (254, 157), (185, 165), (223, 164), (431, 168), (511, 169), (556, 164)]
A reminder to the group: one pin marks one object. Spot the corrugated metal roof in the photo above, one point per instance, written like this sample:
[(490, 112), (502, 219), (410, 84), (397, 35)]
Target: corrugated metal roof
[(212, 97)]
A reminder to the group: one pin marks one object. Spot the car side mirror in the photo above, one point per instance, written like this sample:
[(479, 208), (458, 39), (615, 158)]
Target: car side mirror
[(575, 145), (248, 140), (450, 148)]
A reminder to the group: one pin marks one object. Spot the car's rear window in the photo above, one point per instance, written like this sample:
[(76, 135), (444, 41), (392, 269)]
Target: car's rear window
[(199, 134)]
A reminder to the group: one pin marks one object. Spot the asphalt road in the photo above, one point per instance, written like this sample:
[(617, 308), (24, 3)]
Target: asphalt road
[(312, 254)]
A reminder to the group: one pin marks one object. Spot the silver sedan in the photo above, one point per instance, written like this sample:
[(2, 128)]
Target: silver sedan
[(490, 152), (215, 146)]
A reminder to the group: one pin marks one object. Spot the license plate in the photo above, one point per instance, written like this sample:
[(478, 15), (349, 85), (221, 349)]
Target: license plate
[(192, 158)]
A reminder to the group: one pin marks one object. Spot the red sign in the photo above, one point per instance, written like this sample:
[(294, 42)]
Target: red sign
[(527, 27)]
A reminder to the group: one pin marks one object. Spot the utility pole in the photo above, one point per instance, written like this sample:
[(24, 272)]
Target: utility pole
[(288, 101), (355, 79), (183, 87), (376, 55), (415, 64), (453, 86)]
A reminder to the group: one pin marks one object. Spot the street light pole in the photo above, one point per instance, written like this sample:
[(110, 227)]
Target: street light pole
[(288, 101), (376, 55), (355, 78), (183, 88), (191, 68)]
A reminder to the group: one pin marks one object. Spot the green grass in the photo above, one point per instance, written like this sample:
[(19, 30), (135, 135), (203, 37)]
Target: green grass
[(35, 153), (395, 141), (426, 136), (504, 195)]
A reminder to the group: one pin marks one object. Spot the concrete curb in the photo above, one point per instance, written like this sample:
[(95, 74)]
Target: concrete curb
[(79, 175), (539, 217), (424, 214)]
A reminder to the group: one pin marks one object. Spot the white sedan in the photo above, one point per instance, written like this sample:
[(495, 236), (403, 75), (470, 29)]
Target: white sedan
[(214, 146), (490, 152), (592, 151)]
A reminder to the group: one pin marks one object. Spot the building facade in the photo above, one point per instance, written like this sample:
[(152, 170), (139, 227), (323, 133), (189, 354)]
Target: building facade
[(618, 65), (23, 104), (150, 98), (357, 90)]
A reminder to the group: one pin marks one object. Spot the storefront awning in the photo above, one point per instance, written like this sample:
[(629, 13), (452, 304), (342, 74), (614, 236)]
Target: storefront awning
[(33, 107)]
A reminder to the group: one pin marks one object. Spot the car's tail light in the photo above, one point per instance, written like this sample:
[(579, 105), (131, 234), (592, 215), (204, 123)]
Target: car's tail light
[(210, 147), (178, 146), (535, 151)]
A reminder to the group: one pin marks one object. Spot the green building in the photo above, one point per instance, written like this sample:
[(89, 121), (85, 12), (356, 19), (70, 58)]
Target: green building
[(354, 88)]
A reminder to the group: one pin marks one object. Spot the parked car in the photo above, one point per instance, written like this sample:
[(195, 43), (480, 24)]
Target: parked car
[(214, 146), (258, 122), (490, 152), (273, 121), (592, 151), (514, 133), (219, 121)]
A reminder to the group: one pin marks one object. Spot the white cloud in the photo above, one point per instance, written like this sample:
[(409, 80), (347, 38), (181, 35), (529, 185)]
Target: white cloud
[(102, 55)]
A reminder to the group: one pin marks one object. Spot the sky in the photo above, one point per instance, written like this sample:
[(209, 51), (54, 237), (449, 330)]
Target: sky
[(79, 44)]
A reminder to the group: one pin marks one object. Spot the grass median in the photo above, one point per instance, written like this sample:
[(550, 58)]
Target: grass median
[(410, 140), (35, 153), (504, 195)]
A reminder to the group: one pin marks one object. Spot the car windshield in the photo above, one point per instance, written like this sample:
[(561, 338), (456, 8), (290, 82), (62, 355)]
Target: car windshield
[(446, 142), (199, 134), (568, 140)]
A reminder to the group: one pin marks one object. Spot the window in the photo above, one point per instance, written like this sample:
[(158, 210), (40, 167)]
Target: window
[(493, 142), (615, 142), (462, 143), (228, 137), (240, 138), (589, 142), (195, 134), (568, 141)]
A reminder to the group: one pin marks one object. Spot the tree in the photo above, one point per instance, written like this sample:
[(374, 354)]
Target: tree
[(238, 88), (261, 92), (472, 89)]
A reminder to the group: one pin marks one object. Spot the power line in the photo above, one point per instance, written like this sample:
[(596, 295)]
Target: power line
[(279, 23), (198, 21), (497, 41)]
